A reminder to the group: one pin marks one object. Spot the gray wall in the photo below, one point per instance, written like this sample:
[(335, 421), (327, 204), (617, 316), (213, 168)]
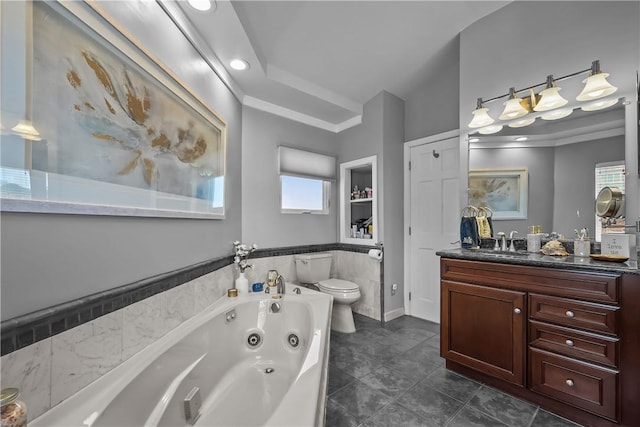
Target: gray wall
[(381, 133), (393, 206), (433, 106), (50, 259), (262, 221)]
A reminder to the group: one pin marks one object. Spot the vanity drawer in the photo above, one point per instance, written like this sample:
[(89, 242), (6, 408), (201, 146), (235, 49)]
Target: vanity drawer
[(580, 384), (571, 342), (568, 312)]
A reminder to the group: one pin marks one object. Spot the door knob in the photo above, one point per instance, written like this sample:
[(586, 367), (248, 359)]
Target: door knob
[(569, 383), (517, 310), (569, 313), (569, 343)]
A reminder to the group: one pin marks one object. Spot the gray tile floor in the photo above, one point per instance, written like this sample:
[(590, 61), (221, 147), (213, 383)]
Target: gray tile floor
[(394, 376)]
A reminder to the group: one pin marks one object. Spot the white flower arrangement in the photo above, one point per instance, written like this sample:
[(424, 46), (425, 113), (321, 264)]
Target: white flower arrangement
[(242, 253)]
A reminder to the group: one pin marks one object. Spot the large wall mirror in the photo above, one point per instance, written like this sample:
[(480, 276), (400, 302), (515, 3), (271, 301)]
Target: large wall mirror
[(558, 158)]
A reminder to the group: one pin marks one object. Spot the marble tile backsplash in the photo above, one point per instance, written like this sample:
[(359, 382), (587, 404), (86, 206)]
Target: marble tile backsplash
[(53, 369)]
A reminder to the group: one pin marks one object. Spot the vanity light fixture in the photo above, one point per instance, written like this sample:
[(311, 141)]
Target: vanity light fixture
[(596, 85), (513, 107), (480, 116), (488, 130), (556, 114), (239, 64), (550, 97), (522, 122), (26, 130), (600, 104)]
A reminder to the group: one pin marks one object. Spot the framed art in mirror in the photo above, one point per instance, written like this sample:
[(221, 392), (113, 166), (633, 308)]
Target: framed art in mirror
[(504, 191), (119, 133)]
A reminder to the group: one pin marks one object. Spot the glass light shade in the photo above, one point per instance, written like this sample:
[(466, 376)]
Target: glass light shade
[(200, 5), (26, 130), (599, 105), (480, 118), (596, 87), (239, 64), (513, 109), (550, 100), (557, 114), (488, 130), (522, 122)]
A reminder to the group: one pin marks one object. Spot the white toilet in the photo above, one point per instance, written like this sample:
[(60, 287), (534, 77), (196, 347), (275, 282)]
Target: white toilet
[(315, 269)]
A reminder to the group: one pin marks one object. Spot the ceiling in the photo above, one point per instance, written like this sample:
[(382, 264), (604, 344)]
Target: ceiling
[(318, 62)]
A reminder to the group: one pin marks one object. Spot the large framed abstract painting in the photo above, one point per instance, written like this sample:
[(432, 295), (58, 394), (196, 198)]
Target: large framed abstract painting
[(119, 133), (504, 191)]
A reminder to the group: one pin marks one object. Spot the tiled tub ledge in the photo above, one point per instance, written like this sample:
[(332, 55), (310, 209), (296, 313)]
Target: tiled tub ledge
[(53, 353)]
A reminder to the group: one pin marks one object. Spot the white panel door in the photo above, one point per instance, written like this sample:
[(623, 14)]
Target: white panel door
[(434, 220)]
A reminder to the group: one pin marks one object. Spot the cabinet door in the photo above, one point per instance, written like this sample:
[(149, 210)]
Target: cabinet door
[(484, 328)]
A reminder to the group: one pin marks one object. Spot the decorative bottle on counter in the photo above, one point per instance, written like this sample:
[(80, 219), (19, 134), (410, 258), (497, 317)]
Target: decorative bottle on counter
[(14, 411), (242, 284)]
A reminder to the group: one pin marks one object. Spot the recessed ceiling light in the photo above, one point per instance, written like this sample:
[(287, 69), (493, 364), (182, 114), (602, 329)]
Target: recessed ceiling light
[(521, 138), (239, 64), (474, 139), (201, 5)]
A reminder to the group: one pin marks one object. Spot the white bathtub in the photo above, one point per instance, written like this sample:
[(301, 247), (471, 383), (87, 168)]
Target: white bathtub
[(211, 352)]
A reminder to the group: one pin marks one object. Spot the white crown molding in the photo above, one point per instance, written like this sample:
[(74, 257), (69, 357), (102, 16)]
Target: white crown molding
[(201, 46), (281, 76), (296, 116)]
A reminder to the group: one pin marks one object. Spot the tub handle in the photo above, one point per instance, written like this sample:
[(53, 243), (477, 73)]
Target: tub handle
[(275, 307)]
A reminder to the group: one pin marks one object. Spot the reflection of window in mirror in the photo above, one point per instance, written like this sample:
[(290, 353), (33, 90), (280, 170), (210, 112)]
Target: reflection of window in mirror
[(609, 174)]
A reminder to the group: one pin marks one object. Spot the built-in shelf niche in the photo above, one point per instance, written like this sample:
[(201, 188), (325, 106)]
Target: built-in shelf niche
[(357, 209)]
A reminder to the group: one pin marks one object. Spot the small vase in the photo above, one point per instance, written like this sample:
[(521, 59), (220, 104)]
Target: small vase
[(242, 284)]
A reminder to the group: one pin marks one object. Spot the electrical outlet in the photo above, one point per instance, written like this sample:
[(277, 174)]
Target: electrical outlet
[(394, 288)]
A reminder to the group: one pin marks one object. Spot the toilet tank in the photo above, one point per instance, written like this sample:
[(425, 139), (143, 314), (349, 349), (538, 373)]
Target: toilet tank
[(311, 268)]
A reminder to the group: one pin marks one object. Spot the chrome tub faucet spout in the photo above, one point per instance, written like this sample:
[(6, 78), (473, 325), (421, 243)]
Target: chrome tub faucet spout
[(280, 285)]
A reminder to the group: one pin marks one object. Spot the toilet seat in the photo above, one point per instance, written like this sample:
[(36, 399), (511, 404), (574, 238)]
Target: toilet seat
[(338, 285)]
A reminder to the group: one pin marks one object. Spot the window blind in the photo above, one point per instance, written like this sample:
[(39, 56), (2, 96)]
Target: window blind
[(306, 164)]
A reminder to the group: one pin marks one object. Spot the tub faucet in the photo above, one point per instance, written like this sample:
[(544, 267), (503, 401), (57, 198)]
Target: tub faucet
[(280, 285)]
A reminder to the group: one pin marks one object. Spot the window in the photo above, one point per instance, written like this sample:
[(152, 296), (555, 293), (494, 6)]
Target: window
[(609, 174), (304, 195), (305, 180)]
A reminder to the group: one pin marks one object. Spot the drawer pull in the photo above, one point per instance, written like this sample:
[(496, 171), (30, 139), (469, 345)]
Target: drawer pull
[(569, 343), (569, 383), (517, 310), (569, 313)]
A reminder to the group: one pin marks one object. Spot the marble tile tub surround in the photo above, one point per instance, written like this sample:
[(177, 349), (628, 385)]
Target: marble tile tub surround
[(55, 367), (355, 267)]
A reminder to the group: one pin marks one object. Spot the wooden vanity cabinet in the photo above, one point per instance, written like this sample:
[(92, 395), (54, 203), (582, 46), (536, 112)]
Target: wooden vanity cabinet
[(566, 340), (484, 328)]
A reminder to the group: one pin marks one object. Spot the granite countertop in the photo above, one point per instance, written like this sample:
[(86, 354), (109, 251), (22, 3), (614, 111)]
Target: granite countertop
[(538, 260)]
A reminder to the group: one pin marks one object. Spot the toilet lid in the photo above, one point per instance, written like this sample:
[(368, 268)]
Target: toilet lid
[(338, 285)]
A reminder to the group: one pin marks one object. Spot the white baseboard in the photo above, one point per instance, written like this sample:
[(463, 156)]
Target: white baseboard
[(394, 314)]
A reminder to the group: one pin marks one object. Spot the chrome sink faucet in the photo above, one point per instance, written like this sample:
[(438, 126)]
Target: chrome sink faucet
[(512, 245), (280, 285), (502, 238)]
